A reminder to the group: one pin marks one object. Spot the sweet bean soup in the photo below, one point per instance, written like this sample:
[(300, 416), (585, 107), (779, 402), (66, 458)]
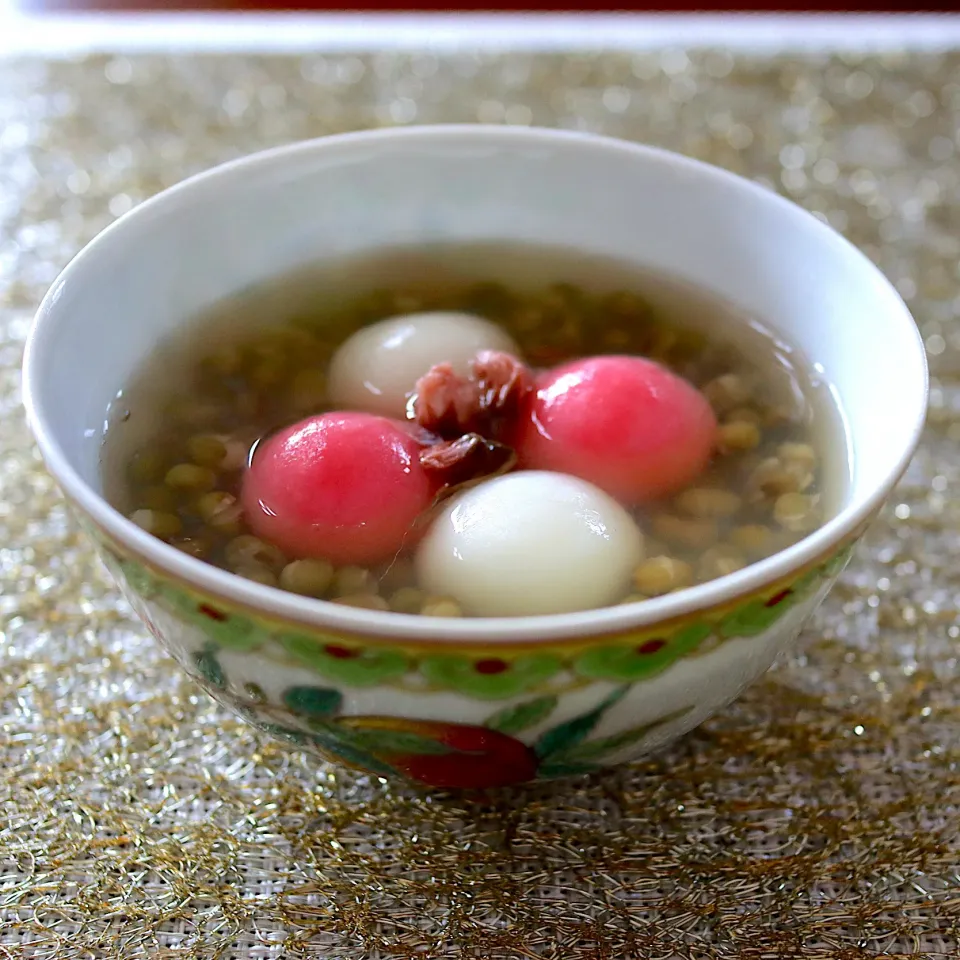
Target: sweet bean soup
[(483, 430)]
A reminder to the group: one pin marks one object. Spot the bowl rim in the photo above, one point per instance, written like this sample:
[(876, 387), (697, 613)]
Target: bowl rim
[(319, 615)]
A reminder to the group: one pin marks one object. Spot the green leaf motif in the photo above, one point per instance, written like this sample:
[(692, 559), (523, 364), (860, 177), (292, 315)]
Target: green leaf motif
[(598, 749), (834, 566), (751, 619), (363, 668), (809, 580), (332, 744), (568, 734), (508, 679), (210, 669), (280, 732), (636, 661), (514, 719), (233, 631), (398, 742), (377, 741), (137, 578), (314, 702)]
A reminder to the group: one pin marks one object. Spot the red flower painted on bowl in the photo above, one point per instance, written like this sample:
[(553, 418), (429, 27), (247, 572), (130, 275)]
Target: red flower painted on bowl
[(446, 755)]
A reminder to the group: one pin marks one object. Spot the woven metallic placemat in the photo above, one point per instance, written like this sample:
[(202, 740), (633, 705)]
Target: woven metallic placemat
[(816, 818)]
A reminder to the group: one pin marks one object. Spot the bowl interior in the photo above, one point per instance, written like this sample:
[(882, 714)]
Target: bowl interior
[(245, 223)]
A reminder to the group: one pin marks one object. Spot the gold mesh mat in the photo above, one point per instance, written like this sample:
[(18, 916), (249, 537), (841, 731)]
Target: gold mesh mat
[(817, 818)]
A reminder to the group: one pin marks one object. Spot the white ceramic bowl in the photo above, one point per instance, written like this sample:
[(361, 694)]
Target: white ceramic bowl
[(475, 702)]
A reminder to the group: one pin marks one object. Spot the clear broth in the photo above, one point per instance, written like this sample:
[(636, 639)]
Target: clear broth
[(188, 388)]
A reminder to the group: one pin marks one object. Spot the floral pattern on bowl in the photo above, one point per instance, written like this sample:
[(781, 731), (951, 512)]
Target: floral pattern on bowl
[(438, 754), (496, 672), (471, 716)]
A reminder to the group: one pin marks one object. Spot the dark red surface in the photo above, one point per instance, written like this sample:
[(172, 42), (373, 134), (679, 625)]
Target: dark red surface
[(436, 6)]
